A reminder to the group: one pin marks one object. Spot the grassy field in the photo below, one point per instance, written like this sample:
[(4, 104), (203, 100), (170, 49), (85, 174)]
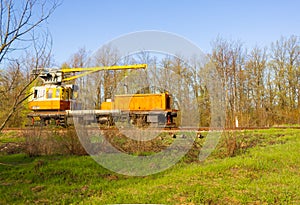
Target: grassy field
[(248, 167)]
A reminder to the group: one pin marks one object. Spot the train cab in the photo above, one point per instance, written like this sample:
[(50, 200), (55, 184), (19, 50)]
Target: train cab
[(51, 97)]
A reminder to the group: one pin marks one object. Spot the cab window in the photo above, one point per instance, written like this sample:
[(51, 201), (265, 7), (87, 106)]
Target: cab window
[(67, 94), (50, 93), (35, 93), (63, 94), (57, 93)]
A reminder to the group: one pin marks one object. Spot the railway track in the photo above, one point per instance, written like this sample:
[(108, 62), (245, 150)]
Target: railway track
[(197, 129)]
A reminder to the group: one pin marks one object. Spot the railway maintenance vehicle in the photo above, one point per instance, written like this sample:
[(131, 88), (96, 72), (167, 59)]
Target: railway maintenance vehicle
[(54, 102)]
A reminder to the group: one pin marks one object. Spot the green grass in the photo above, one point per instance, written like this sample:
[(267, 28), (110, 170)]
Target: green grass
[(265, 171), (11, 137)]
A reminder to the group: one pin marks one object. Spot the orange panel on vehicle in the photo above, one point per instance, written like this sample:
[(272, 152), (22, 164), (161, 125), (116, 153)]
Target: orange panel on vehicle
[(106, 106), (140, 102), (49, 105)]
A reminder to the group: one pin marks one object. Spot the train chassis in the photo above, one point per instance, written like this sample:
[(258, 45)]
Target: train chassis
[(139, 119)]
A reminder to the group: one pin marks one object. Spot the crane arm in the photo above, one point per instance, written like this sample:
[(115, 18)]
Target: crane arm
[(54, 76), (87, 71), (115, 67)]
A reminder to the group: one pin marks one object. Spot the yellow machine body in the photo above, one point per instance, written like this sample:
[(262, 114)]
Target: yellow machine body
[(106, 106), (54, 95), (50, 98), (138, 102)]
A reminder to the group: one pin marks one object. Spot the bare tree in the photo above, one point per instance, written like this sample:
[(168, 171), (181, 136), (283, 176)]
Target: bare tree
[(228, 57), (106, 56), (19, 23), (18, 19), (80, 59), (285, 58), (256, 65)]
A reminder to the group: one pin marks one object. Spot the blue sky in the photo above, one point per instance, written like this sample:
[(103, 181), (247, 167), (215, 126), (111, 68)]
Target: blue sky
[(92, 23)]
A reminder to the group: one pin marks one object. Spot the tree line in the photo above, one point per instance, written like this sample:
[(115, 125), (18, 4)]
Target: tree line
[(260, 84)]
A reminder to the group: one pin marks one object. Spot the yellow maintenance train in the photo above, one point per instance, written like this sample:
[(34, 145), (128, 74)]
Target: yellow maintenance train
[(54, 102)]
